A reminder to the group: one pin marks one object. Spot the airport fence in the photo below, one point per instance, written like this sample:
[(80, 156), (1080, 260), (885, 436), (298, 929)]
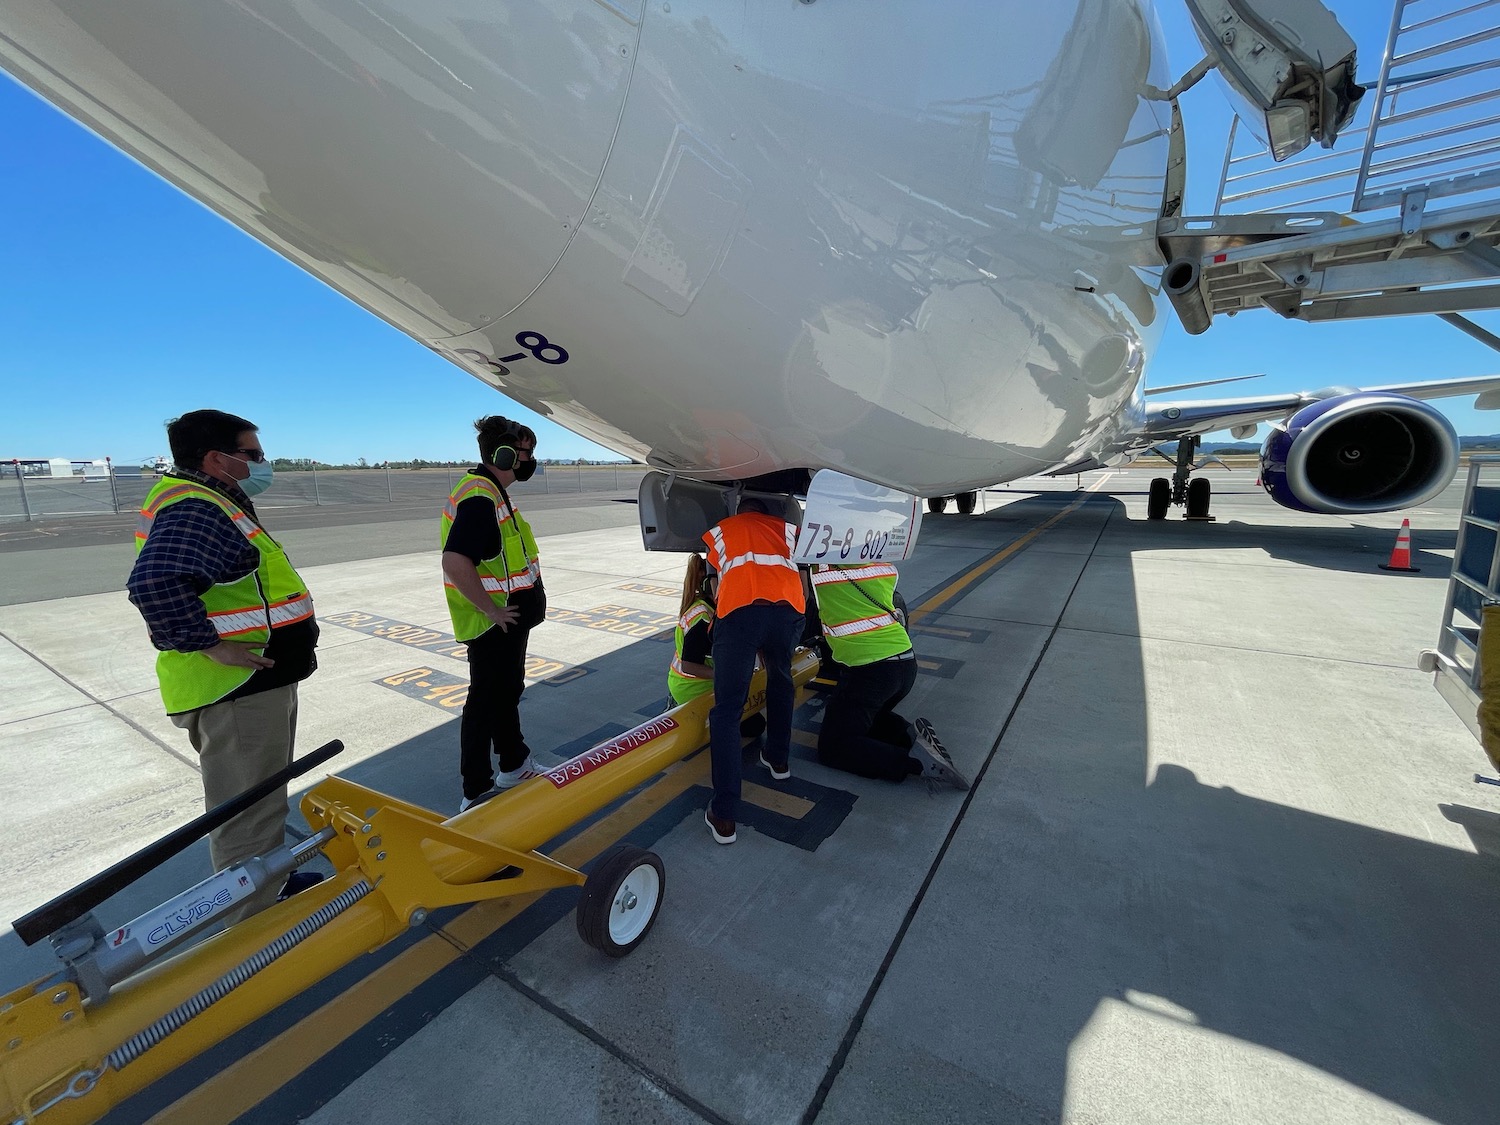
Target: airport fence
[(27, 497)]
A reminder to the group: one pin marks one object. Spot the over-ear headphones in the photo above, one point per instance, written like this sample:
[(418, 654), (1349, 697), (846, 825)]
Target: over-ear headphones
[(504, 458)]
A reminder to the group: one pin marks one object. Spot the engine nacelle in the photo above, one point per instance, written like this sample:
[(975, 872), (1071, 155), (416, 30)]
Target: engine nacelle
[(1358, 453)]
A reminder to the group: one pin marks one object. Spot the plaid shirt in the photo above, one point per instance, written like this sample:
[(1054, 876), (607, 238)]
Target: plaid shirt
[(192, 546)]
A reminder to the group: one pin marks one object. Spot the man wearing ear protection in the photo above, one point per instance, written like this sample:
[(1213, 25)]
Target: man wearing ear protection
[(492, 579), (233, 623)]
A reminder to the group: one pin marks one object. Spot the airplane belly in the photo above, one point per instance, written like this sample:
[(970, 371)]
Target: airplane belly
[(430, 160), (871, 259), (915, 243)]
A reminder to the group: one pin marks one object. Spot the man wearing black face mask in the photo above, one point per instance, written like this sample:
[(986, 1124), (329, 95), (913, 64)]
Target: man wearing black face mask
[(493, 583)]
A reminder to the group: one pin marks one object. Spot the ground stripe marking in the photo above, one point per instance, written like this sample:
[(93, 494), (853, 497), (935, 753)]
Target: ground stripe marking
[(238, 1088), (952, 591)]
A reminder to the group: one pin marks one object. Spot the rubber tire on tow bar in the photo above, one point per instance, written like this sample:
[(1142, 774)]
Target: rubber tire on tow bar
[(965, 502), (621, 899), (1159, 499), (936, 504), (1200, 491)]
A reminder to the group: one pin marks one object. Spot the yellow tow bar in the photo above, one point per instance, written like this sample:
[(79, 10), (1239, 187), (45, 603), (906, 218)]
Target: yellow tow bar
[(64, 1061)]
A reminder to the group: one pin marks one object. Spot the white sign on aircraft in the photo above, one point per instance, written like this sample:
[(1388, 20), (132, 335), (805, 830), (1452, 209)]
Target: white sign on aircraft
[(927, 245)]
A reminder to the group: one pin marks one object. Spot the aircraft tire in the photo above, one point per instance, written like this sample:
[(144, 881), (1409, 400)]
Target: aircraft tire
[(1159, 499), (936, 504), (1200, 491), (621, 899), (965, 502)]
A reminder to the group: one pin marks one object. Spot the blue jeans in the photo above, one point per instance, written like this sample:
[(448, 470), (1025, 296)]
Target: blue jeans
[(772, 629)]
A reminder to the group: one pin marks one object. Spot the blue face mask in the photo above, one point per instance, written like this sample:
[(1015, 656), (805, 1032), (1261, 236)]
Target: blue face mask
[(259, 479)]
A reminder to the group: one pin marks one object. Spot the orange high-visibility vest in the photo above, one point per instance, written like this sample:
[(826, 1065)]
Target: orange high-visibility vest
[(753, 554)]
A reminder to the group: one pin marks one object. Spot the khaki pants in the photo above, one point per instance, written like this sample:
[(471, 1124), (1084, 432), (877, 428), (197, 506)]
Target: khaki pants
[(240, 743), (1489, 683)]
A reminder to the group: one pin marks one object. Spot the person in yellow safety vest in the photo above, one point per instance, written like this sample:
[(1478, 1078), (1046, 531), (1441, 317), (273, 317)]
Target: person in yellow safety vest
[(492, 580), (233, 625), (691, 673), (760, 609), (862, 733)]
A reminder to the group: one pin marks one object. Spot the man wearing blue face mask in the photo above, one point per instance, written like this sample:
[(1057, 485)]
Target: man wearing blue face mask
[(233, 625)]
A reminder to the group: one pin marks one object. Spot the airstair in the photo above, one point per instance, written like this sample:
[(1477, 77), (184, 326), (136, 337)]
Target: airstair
[(1409, 224), (1473, 584)]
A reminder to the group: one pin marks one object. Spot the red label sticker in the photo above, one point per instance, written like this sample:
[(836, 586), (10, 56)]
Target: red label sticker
[(607, 752)]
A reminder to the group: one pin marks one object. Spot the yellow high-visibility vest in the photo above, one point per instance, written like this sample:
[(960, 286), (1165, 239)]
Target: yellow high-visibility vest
[(854, 605), (517, 566), (271, 596)]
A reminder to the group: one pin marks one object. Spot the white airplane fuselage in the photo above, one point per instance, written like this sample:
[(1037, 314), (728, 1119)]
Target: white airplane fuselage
[(912, 242)]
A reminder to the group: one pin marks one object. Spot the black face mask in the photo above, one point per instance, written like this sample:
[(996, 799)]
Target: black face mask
[(524, 469)]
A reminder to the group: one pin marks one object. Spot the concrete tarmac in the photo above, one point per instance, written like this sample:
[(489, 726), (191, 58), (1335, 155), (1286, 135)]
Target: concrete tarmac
[(1224, 859)]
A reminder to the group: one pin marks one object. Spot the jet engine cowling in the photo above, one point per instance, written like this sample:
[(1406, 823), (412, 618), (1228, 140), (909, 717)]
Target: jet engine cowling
[(1358, 453)]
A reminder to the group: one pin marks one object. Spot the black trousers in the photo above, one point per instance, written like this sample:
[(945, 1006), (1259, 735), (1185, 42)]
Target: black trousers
[(492, 710), (862, 734)]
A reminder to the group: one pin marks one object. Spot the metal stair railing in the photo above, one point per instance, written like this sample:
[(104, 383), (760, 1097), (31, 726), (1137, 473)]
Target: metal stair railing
[(1431, 124)]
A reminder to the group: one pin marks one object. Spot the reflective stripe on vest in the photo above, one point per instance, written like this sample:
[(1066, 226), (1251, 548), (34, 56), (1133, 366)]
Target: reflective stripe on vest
[(269, 597), (681, 684), (748, 570), (824, 574), (698, 611), (515, 568), (851, 605)]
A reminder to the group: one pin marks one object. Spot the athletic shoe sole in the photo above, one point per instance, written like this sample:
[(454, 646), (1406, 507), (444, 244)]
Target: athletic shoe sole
[(714, 832), (780, 775)]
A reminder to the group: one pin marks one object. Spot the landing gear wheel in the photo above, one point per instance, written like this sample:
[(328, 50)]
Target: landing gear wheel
[(965, 502), (1158, 499), (936, 504), (1199, 492), (621, 899)]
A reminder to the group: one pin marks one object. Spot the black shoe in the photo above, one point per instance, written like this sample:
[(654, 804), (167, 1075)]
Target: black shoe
[(720, 829), (780, 773), (297, 882)]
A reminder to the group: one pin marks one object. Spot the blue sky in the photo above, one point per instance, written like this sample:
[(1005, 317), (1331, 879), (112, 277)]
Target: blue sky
[(126, 303)]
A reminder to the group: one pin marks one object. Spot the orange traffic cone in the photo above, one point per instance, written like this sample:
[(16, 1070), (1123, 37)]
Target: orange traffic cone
[(1401, 552)]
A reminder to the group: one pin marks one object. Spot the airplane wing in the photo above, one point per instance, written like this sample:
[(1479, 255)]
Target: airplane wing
[(1185, 418)]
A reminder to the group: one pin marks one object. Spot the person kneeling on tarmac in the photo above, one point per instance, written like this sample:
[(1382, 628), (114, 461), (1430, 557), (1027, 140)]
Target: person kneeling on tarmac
[(692, 671), (862, 733)]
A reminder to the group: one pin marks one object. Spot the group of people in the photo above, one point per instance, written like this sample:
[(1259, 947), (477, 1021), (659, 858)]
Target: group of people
[(748, 599), (235, 632)]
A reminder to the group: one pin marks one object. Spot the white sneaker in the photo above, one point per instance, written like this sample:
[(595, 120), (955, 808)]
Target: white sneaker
[(937, 766), (469, 802), (529, 768)]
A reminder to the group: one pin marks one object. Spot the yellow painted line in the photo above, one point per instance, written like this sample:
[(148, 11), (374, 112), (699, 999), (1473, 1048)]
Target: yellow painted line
[(945, 632), (804, 738), (960, 584), (242, 1085)]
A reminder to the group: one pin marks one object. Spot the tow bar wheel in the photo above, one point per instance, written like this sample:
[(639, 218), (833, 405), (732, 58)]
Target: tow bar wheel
[(620, 900)]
